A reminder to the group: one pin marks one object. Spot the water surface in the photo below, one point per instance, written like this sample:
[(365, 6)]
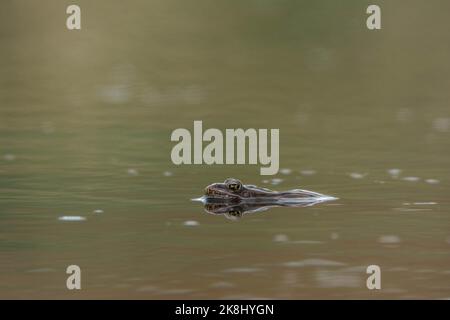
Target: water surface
[(85, 170)]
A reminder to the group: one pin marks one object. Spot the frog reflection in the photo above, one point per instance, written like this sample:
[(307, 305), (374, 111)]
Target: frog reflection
[(237, 211)]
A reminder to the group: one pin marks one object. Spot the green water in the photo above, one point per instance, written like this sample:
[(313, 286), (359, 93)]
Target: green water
[(85, 124)]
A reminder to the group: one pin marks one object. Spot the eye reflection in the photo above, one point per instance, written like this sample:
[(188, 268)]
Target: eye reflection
[(233, 214)]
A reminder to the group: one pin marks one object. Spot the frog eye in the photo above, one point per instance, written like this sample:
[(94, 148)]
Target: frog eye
[(235, 186)]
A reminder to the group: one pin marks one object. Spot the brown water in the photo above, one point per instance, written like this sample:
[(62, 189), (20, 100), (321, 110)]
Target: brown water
[(85, 124)]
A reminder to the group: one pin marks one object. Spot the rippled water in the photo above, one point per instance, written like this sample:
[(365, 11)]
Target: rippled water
[(85, 170)]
